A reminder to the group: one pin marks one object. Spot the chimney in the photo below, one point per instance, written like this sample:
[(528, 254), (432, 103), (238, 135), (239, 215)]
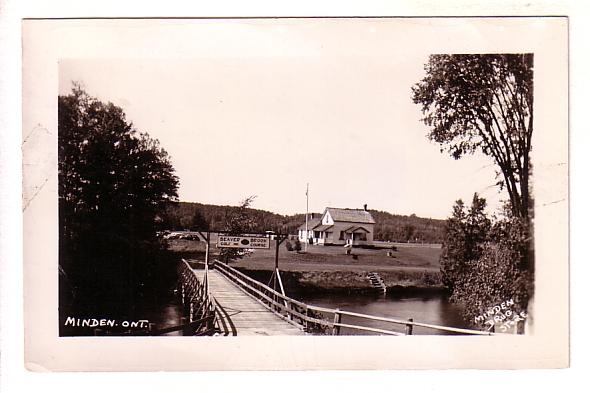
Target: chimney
[(365, 206)]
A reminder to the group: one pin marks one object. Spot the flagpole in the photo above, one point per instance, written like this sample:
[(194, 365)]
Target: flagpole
[(306, 214)]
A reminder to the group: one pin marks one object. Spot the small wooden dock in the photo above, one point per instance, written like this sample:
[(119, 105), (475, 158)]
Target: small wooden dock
[(242, 315)]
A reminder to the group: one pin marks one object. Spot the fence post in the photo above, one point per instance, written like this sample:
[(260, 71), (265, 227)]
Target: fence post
[(186, 330), (409, 327), (520, 327), (210, 317), (337, 318)]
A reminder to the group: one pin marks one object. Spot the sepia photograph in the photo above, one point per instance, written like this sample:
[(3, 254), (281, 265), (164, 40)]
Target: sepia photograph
[(146, 248), (313, 177)]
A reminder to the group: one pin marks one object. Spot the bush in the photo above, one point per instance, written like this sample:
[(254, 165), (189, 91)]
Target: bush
[(466, 232), (492, 279), (288, 246), (297, 245), (483, 264)]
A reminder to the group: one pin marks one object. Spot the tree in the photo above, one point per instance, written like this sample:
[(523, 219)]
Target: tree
[(113, 183), (297, 246), (481, 261), (238, 222), (408, 230), (495, 274), (483, 102), (466, 233), (199, 222)]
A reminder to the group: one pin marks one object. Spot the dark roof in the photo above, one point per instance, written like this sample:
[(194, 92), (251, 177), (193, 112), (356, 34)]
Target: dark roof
[(356, 229), (322, 227), (311, 222), (351, 215)]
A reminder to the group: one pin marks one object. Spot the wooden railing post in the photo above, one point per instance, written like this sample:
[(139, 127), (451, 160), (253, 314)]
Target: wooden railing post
[(186, 331), (520, 326), (210, 317), (409, 327), (337, 318)]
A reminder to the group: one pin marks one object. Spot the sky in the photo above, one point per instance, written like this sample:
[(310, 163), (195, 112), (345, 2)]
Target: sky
[(266, 108)]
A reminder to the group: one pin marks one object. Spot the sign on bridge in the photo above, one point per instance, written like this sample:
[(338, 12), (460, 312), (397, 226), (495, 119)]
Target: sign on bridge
[(224, 241)]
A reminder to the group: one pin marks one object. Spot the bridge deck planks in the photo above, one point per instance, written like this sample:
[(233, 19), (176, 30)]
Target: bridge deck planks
[(247, 315)]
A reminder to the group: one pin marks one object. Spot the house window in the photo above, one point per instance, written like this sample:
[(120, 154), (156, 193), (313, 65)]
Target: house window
[(328, 235), (341, 235), (316, 234)]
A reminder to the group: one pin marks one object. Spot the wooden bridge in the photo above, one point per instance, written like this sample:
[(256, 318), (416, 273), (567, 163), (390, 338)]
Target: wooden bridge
[(243, 314), (224, 301)]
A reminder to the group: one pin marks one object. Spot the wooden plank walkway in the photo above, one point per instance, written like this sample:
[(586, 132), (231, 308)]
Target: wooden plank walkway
[(243, 314)]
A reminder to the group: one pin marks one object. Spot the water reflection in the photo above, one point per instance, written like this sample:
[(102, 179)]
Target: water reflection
[(433, 309), (166, 312)]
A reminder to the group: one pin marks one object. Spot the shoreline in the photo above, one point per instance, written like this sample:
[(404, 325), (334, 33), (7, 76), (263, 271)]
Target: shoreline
[(351, 282)]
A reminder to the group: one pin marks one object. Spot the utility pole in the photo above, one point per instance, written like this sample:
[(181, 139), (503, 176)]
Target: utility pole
[(306, 214), (277, 243)]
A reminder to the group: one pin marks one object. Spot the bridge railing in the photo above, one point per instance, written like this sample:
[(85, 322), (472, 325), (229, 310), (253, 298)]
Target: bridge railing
[(291, 310), (321, 319), (197, 301)]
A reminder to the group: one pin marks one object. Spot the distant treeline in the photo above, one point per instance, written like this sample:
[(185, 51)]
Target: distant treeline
[(388, 227), (397, 228)]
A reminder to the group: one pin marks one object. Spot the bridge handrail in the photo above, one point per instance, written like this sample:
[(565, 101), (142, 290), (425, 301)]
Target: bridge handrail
[(271, 299), (399, 321), (276, 304), (208, 308), (257, 283)]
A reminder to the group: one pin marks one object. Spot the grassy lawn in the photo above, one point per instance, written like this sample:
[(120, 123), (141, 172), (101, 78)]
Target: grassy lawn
[(326, 258)]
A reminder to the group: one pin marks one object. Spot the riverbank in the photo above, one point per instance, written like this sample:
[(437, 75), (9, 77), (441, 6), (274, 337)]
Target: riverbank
[(329, 270), (348, 282), (322, 270)]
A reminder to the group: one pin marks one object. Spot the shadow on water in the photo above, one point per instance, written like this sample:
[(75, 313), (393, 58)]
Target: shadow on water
[(161, 311)]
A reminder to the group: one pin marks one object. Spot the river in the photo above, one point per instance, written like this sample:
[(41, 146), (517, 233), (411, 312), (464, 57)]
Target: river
[(430, 308)]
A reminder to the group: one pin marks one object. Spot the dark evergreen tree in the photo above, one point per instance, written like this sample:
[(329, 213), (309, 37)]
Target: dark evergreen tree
[(481, 262), (466, 232)]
